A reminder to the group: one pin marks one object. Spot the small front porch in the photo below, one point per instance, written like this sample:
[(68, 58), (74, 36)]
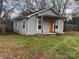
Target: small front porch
[(50, 24)]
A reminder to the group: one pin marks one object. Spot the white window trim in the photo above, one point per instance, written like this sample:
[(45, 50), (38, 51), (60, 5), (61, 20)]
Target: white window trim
[(57, 24), (25, 25), (15, 24), (37, 25)]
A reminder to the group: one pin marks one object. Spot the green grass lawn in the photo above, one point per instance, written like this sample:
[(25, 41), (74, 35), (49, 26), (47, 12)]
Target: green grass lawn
[(17, 46)]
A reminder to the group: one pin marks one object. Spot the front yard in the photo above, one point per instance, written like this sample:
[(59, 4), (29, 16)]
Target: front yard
[(17, 46)]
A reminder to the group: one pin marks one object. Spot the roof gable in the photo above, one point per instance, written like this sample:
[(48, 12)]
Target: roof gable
[(53, 12)]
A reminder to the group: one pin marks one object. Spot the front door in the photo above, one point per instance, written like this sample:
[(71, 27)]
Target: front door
[(51, 24)]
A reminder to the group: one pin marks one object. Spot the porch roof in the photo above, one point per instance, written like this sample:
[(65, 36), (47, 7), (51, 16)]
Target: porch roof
[(58, 17)]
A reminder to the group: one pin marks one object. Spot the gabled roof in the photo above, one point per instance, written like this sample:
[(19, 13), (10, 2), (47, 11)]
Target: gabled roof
[(43, 11), (37, 12)]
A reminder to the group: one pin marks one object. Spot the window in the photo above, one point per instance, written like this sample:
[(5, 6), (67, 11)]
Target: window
[(16, 24), (56, 24), (24, 24), (39, 24)]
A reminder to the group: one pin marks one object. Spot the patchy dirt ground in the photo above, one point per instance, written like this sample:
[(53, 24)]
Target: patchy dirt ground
[(13, 54), (22, 53)]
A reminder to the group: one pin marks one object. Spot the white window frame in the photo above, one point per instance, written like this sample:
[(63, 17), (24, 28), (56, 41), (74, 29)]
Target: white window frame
[(23, 24), (16, 24), (56, 24), (39, 24)]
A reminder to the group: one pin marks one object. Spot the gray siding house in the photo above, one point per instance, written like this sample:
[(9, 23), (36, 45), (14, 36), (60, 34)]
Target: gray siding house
[(46, 21)]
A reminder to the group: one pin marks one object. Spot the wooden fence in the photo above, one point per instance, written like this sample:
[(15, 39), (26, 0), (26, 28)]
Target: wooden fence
[(71, 27)]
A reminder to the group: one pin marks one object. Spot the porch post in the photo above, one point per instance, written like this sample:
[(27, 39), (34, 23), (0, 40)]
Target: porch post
[(42, 24)]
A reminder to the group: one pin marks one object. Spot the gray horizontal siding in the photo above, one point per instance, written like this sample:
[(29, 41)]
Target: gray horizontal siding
[(60, 26), (32, 25), (19, 28)]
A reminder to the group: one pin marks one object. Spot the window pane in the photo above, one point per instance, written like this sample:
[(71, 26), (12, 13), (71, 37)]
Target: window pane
[(23, 24), (39, 21), (56, 27), (39, 26)]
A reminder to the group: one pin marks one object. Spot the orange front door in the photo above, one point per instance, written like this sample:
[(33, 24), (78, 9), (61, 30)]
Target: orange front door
[(51, 24)]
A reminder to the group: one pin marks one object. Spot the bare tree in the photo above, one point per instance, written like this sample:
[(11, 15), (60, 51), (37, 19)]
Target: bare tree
[(5, 10), (60, 5)]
